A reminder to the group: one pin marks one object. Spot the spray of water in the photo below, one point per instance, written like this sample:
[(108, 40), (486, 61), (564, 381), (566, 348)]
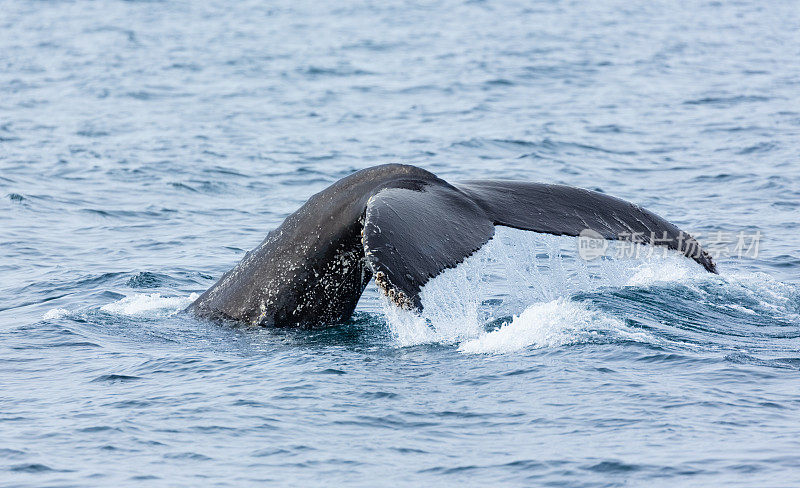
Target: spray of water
[(528, 277)]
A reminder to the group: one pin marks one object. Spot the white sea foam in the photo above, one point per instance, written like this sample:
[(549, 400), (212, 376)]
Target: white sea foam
[(55, 313), (550, 324), (148, 304), (739, 308)]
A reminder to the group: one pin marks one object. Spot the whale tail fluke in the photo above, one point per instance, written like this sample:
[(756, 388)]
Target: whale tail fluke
[(404, 225)]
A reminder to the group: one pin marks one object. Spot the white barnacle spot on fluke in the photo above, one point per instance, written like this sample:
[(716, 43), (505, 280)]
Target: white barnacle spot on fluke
[(398, 297), (262, 315)]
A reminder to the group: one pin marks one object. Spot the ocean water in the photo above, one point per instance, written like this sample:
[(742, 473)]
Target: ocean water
[(146, 145)]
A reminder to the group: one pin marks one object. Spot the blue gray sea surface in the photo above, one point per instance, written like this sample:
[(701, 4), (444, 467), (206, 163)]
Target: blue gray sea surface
[(145, 146)]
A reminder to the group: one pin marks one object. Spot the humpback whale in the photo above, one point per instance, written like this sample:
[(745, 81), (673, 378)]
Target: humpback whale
[(403, 225)]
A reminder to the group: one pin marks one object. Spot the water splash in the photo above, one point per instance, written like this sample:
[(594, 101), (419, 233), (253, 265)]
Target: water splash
[(149, 304), (537, 273)]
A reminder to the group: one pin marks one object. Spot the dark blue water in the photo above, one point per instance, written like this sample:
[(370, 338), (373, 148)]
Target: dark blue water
[(145, 146)]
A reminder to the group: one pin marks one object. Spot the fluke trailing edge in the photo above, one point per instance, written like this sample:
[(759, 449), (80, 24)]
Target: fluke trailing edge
[(404, 225)]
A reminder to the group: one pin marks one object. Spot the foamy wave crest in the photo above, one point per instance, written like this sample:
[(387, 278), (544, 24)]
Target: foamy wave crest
[(551, 324), (754, 293), (55, 313), (671, 267), (149, 304)]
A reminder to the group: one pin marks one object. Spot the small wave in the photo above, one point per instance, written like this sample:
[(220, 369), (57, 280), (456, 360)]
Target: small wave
[(340, 70), (149, 303), (31, 468), (726, 101), (783, 363), (147, 279), (758, 148), (115, 378)]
